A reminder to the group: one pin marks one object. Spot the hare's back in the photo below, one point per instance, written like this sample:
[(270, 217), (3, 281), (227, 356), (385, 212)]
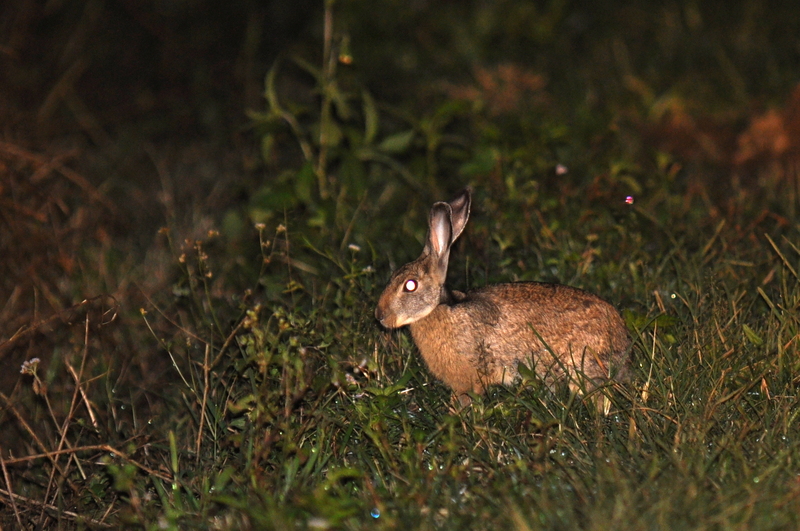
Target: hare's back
[(545, 304), (567, 319), (545, 292)]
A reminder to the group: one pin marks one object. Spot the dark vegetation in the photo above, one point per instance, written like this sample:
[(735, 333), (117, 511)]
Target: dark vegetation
[(201, 201)]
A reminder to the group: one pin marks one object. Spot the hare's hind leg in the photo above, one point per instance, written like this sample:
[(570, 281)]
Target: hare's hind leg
[(593, 390), (463, 396), (464, 400)]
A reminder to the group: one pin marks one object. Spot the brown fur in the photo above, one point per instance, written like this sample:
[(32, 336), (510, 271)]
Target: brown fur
[(476, 339)]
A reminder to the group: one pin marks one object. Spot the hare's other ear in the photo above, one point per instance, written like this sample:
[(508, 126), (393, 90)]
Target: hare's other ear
[(460, 212), (439, 233)]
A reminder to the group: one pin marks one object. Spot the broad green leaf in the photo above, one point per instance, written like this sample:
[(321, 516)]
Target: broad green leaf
[(398, 142), (331, 133)]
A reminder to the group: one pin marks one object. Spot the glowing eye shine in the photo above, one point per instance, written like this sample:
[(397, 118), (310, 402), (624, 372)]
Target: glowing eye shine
[(410, 285)]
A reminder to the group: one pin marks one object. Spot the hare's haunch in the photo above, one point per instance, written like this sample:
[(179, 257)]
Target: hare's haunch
[(475, 339)]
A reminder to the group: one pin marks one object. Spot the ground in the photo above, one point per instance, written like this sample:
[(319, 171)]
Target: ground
[(201, 203)]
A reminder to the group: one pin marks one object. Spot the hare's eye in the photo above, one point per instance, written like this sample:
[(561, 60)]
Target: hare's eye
[(410, 285)]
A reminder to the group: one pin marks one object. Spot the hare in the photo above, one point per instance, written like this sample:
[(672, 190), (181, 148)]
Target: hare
[(476, 339)]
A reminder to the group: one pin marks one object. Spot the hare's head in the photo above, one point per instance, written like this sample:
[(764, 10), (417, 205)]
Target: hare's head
[(418, 287)]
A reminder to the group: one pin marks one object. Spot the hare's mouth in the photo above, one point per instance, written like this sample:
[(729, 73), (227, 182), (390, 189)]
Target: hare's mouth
[(396, 320), (390, 321)]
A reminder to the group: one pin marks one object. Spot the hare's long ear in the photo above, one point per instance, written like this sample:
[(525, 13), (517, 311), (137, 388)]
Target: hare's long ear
[(440, 233), (460, 212)]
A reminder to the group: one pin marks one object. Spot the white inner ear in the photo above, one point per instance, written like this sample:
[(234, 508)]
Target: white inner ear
[(440, 232)]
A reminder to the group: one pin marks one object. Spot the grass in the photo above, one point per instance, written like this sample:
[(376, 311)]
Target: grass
[(236, 378)]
